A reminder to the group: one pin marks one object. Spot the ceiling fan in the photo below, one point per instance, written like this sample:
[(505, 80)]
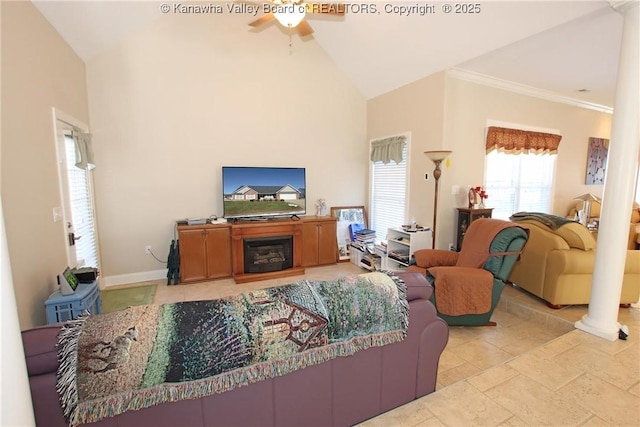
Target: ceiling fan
[(291, 13)]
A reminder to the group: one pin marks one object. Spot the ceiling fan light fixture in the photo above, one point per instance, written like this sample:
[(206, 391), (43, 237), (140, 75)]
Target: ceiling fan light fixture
[(290, 15)]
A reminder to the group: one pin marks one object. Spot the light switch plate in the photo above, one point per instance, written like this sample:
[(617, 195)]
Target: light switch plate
[(57, 214)]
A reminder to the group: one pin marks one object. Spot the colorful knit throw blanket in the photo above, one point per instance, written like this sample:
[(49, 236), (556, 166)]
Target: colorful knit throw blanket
[(146, 355)]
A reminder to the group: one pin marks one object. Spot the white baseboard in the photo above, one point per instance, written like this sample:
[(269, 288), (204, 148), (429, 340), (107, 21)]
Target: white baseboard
[(143, 276)]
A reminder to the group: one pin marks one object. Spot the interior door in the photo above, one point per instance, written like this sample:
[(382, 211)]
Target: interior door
[(78, 211)]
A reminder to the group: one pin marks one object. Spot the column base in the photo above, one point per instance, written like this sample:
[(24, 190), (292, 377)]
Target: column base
[(589, 326)]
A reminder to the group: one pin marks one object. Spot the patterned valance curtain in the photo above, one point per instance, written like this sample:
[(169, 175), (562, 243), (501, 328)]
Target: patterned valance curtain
[(517, 141), (388, 149), (84, 150)]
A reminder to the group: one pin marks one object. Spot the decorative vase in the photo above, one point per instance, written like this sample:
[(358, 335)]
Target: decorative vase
[(481, 205), (321, 207)]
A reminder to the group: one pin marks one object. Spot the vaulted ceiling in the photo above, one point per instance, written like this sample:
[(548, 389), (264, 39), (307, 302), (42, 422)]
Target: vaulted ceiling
[(566, 48)]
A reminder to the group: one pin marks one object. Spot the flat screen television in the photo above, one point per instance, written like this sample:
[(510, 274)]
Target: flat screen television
[(261, 192)]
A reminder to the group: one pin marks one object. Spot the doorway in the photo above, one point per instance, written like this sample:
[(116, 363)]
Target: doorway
[(76, 190)]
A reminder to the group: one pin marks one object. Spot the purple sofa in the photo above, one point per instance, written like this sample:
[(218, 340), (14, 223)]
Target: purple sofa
[(341, 392)]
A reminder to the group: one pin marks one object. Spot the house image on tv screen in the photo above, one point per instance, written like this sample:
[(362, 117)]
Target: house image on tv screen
[(266, 192), (264, 200)]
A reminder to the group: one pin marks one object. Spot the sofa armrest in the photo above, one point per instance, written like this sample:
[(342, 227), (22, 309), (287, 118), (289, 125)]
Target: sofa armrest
[(417, 285), (632, 263), (575, 261), (426, 258), (572, 261)]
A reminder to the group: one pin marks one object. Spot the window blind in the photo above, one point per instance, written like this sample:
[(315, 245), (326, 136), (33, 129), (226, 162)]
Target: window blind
[(388, 195), (519, 182), (81, 208)]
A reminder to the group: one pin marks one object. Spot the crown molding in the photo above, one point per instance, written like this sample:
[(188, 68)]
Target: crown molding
[(521, 89), (623, 6)]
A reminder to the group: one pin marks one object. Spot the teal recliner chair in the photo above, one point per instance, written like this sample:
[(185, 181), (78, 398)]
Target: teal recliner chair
[(468, 284)]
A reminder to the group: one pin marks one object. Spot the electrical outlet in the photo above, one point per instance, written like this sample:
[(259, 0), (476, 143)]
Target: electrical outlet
[(451, 247), (147, 249)]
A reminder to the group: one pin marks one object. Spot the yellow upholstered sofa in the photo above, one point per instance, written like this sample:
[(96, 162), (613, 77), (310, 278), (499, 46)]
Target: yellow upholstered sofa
[(557, 265), (594, 214)]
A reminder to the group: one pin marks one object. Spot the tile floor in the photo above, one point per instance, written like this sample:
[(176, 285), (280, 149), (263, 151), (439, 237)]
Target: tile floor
[(532, 369)]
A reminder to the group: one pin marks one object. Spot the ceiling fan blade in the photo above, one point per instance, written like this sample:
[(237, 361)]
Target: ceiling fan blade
[(263, 19), (326, 8), (304, 29)]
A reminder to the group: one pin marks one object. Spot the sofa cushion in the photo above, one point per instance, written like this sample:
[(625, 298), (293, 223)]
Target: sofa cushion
[(41, 358), (577, 236)]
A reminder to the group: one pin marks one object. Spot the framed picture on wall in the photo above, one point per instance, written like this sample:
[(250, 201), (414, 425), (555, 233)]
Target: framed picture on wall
[(347, 215), (597, 160)]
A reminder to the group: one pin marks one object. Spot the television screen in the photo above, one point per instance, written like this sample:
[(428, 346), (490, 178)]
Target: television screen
[(251, 192)]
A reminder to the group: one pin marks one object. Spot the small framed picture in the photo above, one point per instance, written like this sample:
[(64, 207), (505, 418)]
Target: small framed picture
[(347, 215), (68, 282)]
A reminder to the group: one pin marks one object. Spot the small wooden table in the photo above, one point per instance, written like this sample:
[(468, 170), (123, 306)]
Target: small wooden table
[(465, 217)]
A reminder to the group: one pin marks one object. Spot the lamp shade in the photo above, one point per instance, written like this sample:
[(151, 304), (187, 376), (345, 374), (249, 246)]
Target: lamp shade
[(437, 155), (588, 197), (290, 15)]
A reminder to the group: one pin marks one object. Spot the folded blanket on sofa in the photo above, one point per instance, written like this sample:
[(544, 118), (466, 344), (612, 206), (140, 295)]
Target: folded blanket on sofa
[(147, 355), (552, 221)]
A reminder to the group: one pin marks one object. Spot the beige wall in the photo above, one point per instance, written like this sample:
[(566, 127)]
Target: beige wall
[(39, 71), (417, 108), (449, 113), (190, 93), (471, 105)]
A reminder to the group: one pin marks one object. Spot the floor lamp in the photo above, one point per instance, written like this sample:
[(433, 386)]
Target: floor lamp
[(436, 156)]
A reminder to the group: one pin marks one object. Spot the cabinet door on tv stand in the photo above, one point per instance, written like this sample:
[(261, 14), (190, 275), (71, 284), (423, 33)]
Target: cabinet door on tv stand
[(218, 242), (327, 242), (319, 245), (193, 265)]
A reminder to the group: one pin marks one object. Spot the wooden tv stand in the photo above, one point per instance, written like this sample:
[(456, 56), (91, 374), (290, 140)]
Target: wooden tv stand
[(216, 251)]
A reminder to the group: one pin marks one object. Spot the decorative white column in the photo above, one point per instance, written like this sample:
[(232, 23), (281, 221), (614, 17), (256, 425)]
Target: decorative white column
[(15, 396), (613, 231)]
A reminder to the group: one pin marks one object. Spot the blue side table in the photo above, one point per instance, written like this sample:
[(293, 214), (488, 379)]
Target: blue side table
[(61, 308)]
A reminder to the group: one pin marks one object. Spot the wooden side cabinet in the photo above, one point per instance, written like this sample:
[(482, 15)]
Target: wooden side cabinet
[(465, 217), (319, 241), (205, 252)]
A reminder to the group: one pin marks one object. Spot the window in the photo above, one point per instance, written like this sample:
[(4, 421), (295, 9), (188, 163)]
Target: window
[(519, 182), (520, 167), (388, 193)]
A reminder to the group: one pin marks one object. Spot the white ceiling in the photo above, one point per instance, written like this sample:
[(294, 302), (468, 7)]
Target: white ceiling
[(554, 46)]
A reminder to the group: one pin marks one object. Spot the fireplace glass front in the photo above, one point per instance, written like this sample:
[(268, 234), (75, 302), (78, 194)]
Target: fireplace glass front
[(265, 254)]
